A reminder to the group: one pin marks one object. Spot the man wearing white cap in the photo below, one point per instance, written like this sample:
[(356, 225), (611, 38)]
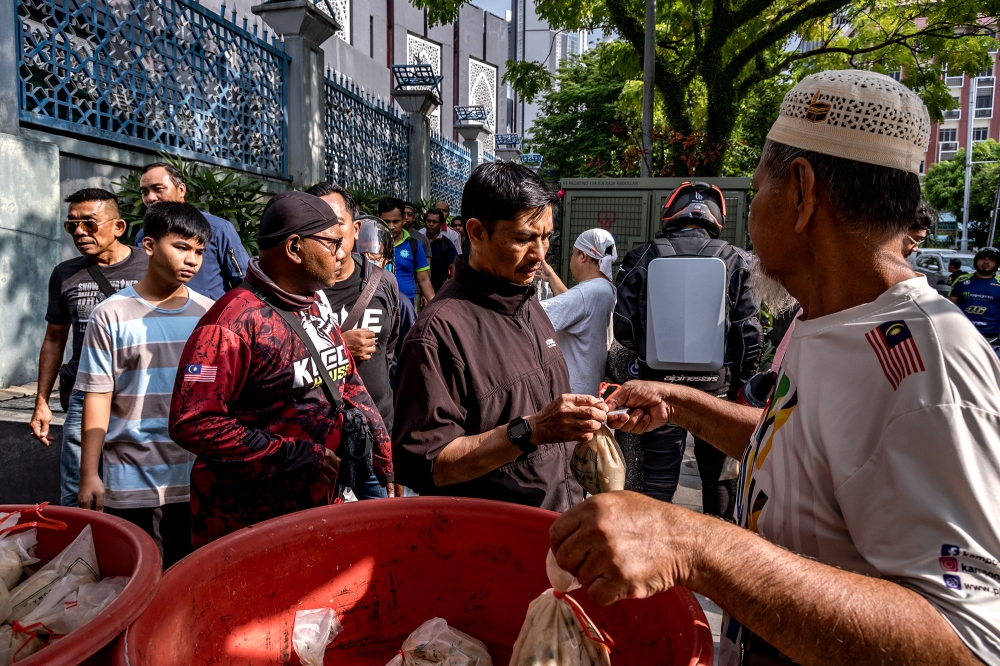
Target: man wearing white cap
[(582, 315), (869, 487)]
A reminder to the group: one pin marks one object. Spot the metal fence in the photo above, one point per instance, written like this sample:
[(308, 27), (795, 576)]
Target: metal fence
[(367, 141), (489, 157), (451, 166), (157, 74)]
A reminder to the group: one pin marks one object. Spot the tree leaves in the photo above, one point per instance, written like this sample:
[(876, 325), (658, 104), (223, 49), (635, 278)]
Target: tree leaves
[(529, 79), (944, 187), (712, 55)]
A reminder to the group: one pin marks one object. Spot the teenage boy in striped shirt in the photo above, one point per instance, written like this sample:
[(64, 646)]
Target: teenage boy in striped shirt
[(130, 356)]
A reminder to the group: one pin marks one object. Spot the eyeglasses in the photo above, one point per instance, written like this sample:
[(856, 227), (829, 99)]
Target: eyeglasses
[(331, 244), (915, 242), (89, 226)]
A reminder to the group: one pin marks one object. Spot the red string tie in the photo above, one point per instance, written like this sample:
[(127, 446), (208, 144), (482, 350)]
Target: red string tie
[(589, 630), (43, 522)]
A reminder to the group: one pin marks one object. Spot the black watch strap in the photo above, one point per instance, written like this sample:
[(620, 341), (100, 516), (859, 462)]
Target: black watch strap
[(519, 432)]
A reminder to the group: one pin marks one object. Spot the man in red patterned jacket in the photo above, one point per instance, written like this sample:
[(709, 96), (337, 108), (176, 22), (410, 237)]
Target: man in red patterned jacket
[(248, 399)]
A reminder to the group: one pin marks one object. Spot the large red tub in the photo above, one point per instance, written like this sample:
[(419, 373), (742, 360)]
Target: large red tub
[(122, 550), (385, 566)]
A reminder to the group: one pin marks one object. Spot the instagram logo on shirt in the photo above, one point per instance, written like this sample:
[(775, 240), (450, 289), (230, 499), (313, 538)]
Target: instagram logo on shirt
[(953, 582), (948, 563)]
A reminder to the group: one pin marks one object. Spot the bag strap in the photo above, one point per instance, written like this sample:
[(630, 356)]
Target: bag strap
[(332, 393), (100, 279), (713, 248), (354, 316), (664, 248)]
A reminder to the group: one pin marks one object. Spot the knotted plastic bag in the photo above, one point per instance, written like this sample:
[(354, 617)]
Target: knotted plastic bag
[(556, 631), (434, 643), (16, 550), (312, 632), (599, 465), (5, 606), (17, 542), (77, 563)]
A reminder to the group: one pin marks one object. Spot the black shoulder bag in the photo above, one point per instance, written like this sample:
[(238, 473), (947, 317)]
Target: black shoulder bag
[(356, 439)]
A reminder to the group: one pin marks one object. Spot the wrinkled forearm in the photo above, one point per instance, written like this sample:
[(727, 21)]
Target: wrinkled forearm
[(725, 425), (818, 614)]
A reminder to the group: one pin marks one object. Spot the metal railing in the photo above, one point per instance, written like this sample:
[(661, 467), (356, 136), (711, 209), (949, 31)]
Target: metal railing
[(367, 141), (451, 166), (156, 74)]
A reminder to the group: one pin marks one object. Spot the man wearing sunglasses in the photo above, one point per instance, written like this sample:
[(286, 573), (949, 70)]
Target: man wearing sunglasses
[(917, 233), (249, 399), (367, 314), (75, 288)]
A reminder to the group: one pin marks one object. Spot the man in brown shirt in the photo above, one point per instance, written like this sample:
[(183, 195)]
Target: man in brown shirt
[(482, 400)]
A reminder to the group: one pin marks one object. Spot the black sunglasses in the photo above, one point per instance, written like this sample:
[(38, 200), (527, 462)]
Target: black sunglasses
[(335, 243)]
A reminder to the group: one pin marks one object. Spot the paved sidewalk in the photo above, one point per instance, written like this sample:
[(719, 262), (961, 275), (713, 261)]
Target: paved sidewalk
[(689, 495), (18, 391)]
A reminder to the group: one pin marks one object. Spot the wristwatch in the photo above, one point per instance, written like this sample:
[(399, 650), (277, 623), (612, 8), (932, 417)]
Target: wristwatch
[(519, 431)]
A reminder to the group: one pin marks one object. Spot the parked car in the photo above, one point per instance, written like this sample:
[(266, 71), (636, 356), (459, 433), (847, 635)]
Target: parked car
[(933, 263)]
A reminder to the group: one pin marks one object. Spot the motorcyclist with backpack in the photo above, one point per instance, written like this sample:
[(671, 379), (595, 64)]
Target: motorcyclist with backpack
[(692, 221), (978, 295)]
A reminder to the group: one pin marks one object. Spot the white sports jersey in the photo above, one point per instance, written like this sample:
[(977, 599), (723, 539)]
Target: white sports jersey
[(879, 453)]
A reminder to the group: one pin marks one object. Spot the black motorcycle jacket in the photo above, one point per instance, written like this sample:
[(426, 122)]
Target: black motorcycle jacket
[(743, 330)]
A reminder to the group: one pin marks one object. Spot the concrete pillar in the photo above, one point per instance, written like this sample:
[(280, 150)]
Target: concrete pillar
[(304, 28), (29, 250), (29, 236), (509, 154), (419, 105), (474, 133)]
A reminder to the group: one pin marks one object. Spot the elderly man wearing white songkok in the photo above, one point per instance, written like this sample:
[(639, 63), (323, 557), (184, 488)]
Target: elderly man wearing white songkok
[(869, 496), (582, 315)]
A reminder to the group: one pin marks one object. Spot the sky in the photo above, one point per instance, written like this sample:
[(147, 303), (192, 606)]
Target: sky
[(498, 7)]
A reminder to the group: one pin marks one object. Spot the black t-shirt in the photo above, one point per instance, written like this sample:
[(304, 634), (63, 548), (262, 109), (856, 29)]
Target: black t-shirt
[(73, 294), (381, 316), (443, 254)]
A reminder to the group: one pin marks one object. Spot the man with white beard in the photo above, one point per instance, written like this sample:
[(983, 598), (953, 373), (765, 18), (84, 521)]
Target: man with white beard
[(868, 490)]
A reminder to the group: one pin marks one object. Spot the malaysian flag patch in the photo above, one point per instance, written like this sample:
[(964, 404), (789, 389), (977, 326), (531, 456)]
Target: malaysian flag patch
[(896, 351), (200, 373)]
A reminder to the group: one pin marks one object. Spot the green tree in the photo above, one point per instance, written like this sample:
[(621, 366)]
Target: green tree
[(580, 128), (590, 120), (711, 55), (944, 188)]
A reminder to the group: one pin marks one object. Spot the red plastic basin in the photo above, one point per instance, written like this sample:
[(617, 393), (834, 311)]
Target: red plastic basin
[(385, 566), (122, 550)]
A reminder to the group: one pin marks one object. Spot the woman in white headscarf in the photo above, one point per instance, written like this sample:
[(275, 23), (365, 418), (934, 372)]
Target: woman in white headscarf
[(582, 315)]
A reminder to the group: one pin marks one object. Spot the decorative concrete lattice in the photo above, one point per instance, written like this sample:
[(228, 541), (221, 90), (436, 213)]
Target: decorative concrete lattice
[(483, 92), (367, 141), (158, 74), (340, 10), (451, 166), (420, 51)]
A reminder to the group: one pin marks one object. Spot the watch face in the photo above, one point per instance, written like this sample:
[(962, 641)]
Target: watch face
[(518, 429)]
